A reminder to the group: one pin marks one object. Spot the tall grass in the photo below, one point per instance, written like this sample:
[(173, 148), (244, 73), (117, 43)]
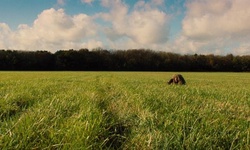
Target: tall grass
[(124, 110)]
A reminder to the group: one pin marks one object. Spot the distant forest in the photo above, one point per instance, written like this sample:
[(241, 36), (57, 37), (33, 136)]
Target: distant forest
[(119, 60)]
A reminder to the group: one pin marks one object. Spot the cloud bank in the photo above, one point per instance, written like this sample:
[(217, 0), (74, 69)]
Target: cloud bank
[(144, 26), (53, 29), (213, 26), (208, 26)]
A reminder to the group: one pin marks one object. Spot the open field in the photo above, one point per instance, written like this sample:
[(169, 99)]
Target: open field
[(124, 110)]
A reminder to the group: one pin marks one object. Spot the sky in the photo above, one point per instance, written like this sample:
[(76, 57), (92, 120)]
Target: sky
[(217, 27)]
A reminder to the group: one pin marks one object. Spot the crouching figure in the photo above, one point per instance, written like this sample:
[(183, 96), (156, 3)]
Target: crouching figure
[(177, 79)]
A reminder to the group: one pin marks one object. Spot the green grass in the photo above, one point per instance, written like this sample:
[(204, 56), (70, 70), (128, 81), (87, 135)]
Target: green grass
[(124, 110)]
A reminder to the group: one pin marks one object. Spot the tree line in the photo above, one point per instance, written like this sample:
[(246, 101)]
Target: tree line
[(119, 60)]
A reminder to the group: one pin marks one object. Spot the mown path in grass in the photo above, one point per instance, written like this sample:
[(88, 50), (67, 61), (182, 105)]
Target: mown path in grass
[(124, 110)]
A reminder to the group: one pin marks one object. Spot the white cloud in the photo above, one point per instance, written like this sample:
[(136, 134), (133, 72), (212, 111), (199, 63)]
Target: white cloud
[(108, 3), (222, 23), (61, 2), (52, 30), (148, 27), (142, 27), (87, 1), (158, 2), (5, 35), (243, 49), (209, 26), (55, 24), (212, 18)]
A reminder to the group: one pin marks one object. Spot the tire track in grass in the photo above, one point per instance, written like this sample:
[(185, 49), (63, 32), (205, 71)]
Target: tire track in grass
[(114, 130)]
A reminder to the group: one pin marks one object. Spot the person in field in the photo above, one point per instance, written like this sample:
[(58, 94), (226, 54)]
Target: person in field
[(177, 79)]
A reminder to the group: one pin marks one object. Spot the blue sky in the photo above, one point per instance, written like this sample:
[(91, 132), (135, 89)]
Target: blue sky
[(180, 26)]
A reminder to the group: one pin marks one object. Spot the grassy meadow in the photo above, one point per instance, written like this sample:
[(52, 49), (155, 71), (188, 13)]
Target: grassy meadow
[(124, 110)]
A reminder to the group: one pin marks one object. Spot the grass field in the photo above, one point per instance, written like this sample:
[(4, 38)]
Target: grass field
[(124, 110)]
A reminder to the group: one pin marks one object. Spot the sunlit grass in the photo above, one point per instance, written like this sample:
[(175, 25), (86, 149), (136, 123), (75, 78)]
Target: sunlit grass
[(124, 110)]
